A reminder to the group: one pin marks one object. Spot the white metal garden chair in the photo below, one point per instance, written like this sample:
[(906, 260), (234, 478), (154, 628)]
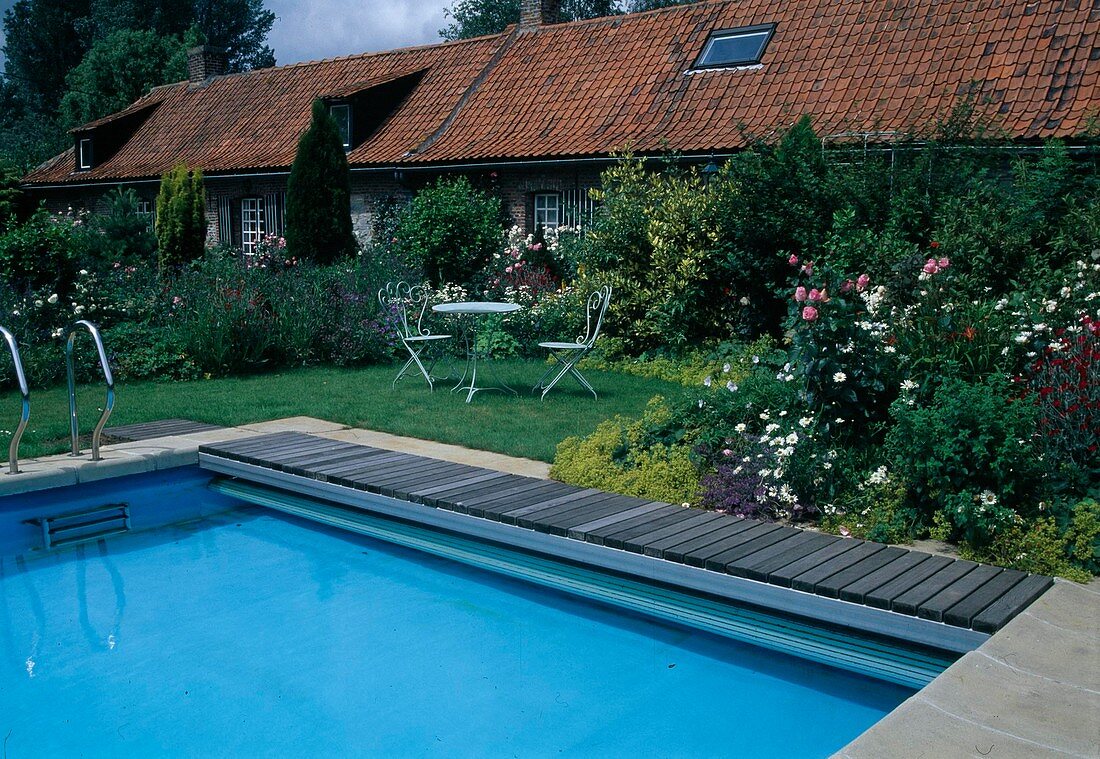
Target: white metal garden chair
[(408, 304), (568, 355)]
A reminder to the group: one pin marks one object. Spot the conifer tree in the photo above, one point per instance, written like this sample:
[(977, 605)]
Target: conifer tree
[(318, 194), (181, 217)]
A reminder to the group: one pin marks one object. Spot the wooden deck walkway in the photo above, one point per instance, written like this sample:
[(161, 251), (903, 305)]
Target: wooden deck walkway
[(956, 592), (129, 433)]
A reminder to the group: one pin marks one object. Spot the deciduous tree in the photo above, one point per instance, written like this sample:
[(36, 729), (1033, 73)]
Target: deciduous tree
[(117, 71), (473, 18)]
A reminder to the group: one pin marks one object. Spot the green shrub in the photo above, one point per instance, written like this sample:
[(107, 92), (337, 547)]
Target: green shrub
[(450, 231), (43, 252), (621, 457), (972, 453), (126, 236), (1033, 546), (877, 510), (143, 351), (318, 194), (181, 218)]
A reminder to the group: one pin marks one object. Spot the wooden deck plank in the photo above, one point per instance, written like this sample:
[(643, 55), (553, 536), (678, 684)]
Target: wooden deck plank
[(559, 524), (808, 580), (884, 595), (698, 557), (311, 462), (747, 548), (251, 447), (909, 601), (338, 459), (657, 547), (1000, 612), (405, 490), (441, 497), (831, 586), (596, 535), (375, 457), (275, 455), (698, 520), (351, 468), (539, 518), (476, 476), (935, 607), (449, 499), (564, 502), (761, 563), (785, 575), (677, 551), (857, 590), (417, 470), (963, 613), (162, 428), (579, 531), (413, 477), (540, 491), (618, 538)]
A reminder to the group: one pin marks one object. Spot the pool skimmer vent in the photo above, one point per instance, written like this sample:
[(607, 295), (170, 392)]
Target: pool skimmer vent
[(83, 526)]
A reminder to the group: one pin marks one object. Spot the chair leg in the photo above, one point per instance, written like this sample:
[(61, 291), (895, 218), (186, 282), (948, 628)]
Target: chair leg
[(414, 358), (565, 364), (551, 368), (584, 381)]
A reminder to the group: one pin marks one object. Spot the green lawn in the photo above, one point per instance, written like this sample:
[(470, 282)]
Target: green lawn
[(523, 426)]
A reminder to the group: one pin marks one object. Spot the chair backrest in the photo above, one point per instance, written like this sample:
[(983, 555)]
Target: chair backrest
[(594, 313), (408, 304)]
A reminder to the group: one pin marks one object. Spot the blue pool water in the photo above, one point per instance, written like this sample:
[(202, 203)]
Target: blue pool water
[(249, 634)]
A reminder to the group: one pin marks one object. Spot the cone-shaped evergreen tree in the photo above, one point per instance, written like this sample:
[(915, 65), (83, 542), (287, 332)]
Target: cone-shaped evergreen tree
[(181, 217), (318, 194)]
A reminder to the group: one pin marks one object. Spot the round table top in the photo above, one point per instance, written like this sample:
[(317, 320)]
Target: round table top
[(476, 307)]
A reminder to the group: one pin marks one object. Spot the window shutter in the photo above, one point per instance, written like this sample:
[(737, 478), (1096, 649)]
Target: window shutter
[(225, 221)]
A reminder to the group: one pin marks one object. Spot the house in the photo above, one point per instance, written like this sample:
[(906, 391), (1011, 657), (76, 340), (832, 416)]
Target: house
[(538, 110)]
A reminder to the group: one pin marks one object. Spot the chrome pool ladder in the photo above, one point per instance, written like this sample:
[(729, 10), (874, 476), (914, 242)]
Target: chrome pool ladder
[(107, 376), (21, 379)]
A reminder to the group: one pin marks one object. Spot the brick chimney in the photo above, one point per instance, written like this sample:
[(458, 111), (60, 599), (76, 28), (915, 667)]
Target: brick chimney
[(205, 62), (534, 13)]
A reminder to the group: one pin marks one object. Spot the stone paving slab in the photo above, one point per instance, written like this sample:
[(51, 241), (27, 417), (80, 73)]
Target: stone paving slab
[(1031, 690)]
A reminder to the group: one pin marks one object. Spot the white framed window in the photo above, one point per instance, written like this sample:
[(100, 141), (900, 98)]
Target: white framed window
[(252, 224), (148, 210), (341, 112), (735, 47), (547, 210), (85, 149)]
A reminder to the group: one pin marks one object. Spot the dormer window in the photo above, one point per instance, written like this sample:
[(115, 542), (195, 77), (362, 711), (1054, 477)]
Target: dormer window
[(84, 150), (735, 47), (341, 112)]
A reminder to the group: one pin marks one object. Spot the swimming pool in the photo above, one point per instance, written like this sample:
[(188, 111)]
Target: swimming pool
[(252, 633)]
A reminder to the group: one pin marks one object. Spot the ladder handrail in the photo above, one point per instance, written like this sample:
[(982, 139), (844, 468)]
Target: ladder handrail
[(21, 378), (107, 376)]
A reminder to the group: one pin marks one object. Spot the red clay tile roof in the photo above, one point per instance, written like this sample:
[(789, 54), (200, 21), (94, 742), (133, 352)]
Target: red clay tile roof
[(593, 87)]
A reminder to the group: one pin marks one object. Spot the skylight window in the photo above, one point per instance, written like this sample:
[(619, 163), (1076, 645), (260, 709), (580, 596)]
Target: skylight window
[(735, 47)]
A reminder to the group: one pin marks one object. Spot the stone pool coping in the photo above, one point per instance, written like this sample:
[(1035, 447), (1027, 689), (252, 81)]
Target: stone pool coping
[(1032, 689)]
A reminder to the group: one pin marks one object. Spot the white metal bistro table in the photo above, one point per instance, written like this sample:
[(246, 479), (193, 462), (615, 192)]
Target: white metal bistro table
[(475, 309)]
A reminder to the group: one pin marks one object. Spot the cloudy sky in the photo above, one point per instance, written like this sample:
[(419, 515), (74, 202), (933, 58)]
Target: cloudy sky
[(324, 28), (308, 30)]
